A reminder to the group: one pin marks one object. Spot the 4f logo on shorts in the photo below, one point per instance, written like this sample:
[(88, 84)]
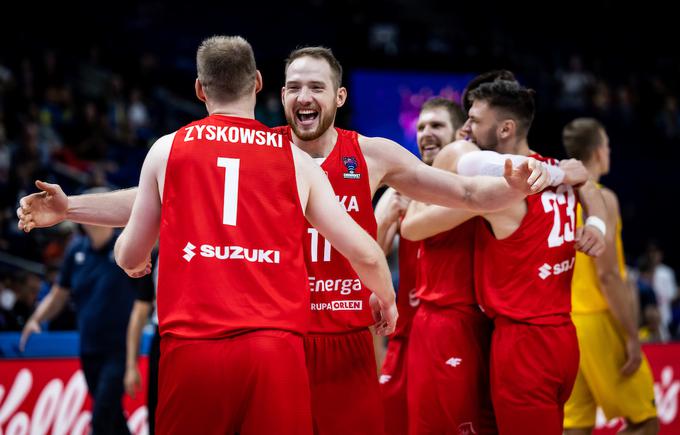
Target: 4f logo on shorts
[(466, 429), (454, 362)]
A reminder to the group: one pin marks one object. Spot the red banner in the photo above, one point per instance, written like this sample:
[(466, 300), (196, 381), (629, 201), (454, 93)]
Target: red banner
[(41, 396), (665, 362)]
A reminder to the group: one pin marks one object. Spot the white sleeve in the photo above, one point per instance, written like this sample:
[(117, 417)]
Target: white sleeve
[(493, 164)]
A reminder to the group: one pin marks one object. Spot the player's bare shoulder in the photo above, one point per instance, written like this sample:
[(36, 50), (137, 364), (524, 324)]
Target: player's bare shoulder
[(611, 200), (378, 147), (157, 160), (160, 150), (448, 157), (382, 156)]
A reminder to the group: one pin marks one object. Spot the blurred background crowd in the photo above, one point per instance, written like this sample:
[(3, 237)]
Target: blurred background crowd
[(81, 101)]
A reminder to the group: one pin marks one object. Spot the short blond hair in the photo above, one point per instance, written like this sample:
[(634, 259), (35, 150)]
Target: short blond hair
[(318, 52), (226, 67), (582, 137)]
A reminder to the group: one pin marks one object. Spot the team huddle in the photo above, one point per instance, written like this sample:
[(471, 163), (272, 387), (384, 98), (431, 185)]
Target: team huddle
[(273, 282)]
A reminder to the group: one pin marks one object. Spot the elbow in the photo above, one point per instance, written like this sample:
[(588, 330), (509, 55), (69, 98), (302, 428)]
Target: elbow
[(371, 259), (122, 256), (125, 262), (408, 231)]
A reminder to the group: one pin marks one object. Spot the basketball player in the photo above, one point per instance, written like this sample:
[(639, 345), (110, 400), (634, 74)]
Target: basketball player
[(523, 261), (438, 123), (232, 300), (451, 337), (613, 373)]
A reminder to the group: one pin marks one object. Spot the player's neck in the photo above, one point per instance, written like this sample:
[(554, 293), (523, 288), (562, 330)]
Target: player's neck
[(593, 169), (519, 147), (243, 108), (320, 147)]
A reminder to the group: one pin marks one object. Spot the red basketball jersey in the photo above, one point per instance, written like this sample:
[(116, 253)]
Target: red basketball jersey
[(445, 270), (231, 233), (527, 276), (407, 301), (339, 298)]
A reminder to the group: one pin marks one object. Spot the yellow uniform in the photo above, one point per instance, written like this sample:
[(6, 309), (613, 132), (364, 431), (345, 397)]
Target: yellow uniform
[(603, 353)]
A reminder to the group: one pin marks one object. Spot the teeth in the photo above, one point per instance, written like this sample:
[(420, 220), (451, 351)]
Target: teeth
[(307, 112)]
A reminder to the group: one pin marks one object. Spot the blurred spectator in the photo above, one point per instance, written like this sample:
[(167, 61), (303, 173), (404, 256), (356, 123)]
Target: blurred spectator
[(668, 119), (138, 116), (576, 86), (664, 283), (650, 318), (26, 288), (674, 326), (7, 295)]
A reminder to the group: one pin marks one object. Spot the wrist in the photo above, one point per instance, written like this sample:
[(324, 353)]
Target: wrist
[(387, 301), (68, 213), (598, 223), (557, 175)]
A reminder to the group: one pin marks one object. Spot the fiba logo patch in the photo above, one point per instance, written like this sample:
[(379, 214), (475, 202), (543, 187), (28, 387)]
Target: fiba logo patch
[(351, 164)]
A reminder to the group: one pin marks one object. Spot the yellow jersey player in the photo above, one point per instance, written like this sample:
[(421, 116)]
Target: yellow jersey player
[(613, 373)]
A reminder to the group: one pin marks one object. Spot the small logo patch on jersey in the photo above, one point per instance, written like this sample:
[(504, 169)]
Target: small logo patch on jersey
[(189, 251), (351, 164), (454, 362), (385, 379)]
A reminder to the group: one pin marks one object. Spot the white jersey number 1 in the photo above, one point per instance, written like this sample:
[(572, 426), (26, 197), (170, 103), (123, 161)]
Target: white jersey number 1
[(231, 171)]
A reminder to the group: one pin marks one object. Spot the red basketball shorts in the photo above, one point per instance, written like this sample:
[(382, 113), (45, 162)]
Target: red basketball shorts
[(393, 386), (254, 383), (343, 378), (533, 369), (448, 383)]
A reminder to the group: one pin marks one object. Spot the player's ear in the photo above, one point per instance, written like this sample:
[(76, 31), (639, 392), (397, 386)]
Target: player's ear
[(258, 81), (200, 93), (341, 96), (508, 128)]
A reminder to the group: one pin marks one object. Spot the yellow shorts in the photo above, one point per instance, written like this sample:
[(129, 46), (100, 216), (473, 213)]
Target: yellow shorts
[(599, 382)]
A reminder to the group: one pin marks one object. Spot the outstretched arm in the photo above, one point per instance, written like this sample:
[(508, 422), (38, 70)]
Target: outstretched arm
[(620, 298), (325, 213), (403, 171), (423, 220), (570, 172), (51, 206)]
